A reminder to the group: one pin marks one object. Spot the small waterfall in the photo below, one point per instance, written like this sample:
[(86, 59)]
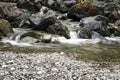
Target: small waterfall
[(17, 38), (14, 39), (73, 35), (75, 40)]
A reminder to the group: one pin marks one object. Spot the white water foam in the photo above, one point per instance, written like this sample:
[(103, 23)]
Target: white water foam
[(15, 43), (75, 40), (113, 39), (14, 40)]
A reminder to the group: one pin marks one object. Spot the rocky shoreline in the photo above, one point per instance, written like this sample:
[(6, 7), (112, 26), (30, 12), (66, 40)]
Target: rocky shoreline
[(53, 66), (52, 22)]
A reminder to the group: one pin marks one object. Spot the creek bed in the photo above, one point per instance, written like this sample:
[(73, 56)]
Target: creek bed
[(86, 52)]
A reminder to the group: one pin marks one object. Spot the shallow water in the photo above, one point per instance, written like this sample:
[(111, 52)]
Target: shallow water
[(106, 50), (90, 52)]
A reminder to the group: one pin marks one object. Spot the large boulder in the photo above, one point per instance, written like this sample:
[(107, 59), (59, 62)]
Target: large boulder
[(47, 23), (59, 29), (97, 24), (59, 5), (5, 28), (19, 21), (43, 23), (83, 9), (9, 11)]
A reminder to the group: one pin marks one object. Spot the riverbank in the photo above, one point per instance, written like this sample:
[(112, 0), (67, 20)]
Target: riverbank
[(53, 66)]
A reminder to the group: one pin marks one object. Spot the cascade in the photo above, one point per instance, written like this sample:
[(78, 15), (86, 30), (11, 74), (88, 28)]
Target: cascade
[(96, 38), (15, 38)]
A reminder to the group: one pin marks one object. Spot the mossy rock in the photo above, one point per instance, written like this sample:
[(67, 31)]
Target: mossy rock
[(5, 28)]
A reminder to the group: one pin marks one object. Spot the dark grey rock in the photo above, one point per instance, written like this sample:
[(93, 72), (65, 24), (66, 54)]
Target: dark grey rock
[(97, 24), (81, 10), (59, 5), (9, 11)]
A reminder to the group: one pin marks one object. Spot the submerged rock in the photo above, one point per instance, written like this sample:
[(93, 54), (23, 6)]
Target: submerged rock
[(35, 37), (30, 37), (5, 28), (33, 34)]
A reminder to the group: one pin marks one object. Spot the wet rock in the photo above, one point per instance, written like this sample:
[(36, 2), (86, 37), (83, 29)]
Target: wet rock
[(9, 11), (97, 24), (111, 10), (83, 33), (29, 5), (5, 28), (83, 9), (116, 28), (5, 44), (59, 29), (20, 20), (48, 23), (30, 37), (117, 23), (62, 17), (45, 23), (46, 38), (59, 5), (26, 5)]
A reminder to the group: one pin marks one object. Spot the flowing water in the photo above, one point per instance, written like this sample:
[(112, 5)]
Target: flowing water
[(85, 49), (97, 48)]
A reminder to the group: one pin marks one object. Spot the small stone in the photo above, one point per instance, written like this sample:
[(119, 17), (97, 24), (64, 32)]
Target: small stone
[(62, 53), (4, 66), (10, 62), (54, 69), (12, 68)]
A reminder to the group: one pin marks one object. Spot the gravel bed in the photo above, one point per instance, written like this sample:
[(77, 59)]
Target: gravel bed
[(54, 66)]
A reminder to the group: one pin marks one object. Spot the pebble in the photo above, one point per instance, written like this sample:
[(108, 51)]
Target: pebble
[(54, 66), (12, 68)]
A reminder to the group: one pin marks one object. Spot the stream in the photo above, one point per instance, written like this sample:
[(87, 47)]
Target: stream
[(106, 50)]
